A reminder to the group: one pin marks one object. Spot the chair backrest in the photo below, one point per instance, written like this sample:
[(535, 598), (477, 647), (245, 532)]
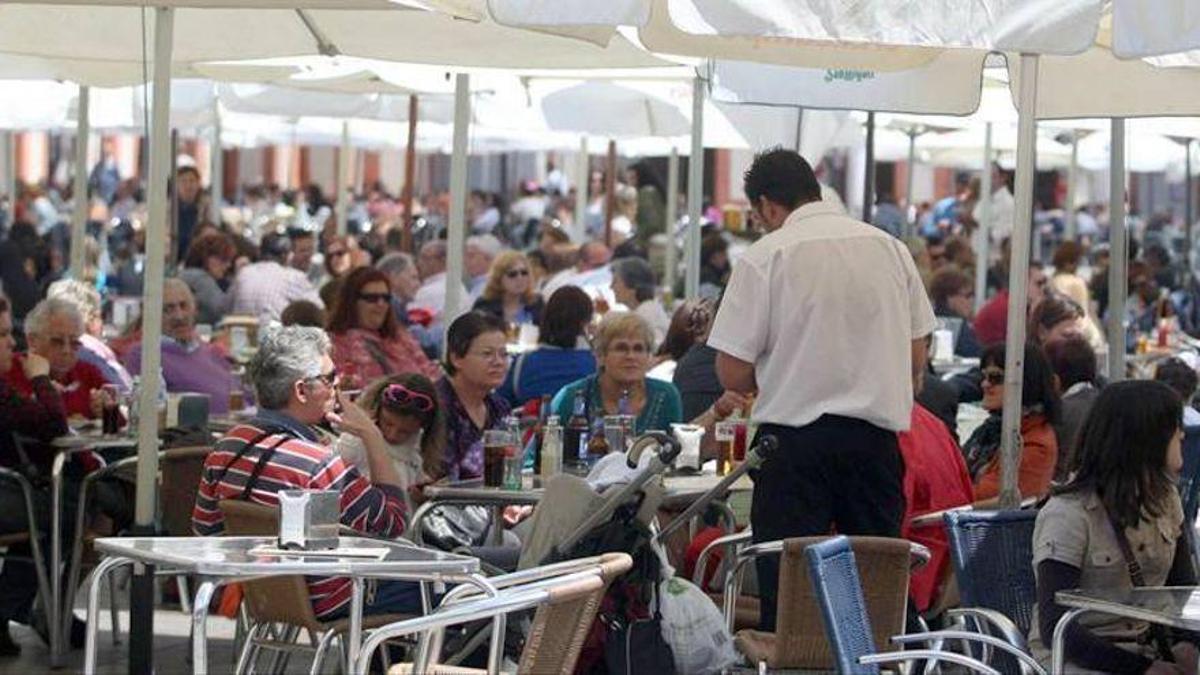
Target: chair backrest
[(992, 553), (834, 574), (181, 469), (1189, 485), (883, 565), (272, 599), (561, 626)]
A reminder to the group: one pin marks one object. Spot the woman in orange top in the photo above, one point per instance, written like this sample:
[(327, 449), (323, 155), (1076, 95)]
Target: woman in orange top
[(1039, 411)]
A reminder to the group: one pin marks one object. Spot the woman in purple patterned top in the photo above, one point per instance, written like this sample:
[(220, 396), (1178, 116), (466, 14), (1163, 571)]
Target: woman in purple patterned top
[(476, 363)]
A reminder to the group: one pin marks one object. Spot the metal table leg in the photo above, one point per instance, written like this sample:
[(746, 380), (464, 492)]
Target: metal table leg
[(1060, 632), (105, 567), (356, 611), (200, 624), (54, 620)]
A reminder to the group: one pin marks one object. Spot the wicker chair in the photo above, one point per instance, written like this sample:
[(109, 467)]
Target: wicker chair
[(838, 592), (282, 600), (566, 607), (798, 641)]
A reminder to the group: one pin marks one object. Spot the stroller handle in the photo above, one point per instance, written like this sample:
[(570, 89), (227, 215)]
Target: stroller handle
[(669, 448)]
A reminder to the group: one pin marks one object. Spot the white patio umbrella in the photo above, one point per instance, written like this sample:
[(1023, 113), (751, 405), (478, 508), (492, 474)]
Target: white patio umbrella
[(107, 42), (884, 36)]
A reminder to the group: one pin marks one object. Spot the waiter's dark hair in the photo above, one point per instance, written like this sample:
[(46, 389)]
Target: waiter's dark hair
[(782, 176), (1121, 452)]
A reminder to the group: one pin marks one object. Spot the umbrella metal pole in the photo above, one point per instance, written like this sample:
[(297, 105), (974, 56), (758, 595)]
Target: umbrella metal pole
[(910, 225), (410, 174), (1118, 259), (610, 191), (983, 227), (456, 234), (670, 266), (341, 202), (1069, 223), (869, 170), (691, 258), (141, 633), (216, 181), (1018, 278), (1187, 203), (799, 127), (79, 214), (583, 179)]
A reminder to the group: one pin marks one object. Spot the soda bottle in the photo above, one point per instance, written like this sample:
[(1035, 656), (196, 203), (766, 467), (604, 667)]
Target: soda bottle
[(575, 437)]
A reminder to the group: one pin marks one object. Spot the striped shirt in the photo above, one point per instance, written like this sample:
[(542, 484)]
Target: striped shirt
[(299, 462)]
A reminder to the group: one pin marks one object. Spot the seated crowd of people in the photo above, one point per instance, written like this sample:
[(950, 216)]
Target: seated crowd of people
[(355, 390)]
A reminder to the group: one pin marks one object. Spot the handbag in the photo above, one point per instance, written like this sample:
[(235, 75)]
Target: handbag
[(636, 646), (1157, 634), (452, 527)]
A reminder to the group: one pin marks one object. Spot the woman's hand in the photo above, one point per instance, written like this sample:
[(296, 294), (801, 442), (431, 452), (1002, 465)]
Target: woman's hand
[(729, 402), (35, 365), (96, 402)]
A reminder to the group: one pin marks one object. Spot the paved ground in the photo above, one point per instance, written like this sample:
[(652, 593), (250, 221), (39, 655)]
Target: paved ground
[(171, 651)]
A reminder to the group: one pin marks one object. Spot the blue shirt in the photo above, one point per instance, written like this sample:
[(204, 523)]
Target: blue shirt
[(544, 371), (663, 406)]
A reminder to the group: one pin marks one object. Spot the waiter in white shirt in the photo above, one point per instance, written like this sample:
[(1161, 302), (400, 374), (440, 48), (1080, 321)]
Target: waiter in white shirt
[(825, 318)]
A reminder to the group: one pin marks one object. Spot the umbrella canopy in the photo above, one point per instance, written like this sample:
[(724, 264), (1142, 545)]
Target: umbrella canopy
[(101, 43), (610, 109)]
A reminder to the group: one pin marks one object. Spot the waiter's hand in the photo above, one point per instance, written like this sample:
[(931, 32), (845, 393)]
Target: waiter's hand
[(35, 365), (729, 402)]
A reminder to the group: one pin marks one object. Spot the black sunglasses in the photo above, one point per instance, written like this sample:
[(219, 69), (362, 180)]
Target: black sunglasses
[(375, 297), (329, 379), (513, 274), (994, 376)]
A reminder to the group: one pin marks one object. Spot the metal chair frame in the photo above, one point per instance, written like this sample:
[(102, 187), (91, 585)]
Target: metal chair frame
[(846, 622)]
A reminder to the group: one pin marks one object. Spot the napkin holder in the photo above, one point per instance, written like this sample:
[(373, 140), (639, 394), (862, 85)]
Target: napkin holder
[(309, 519)]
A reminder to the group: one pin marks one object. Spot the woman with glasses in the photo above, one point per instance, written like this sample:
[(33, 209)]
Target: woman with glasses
[(563, 354), (338, 263), (409, 416), (620, 387), (368, 341), (1039, 411), (953, 294), (509, 292), (476, 363)]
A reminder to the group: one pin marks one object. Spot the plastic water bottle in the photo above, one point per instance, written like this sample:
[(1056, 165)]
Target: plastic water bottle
[(552, 448)]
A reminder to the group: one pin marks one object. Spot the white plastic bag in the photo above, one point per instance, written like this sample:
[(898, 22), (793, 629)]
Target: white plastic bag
[(694, 628)]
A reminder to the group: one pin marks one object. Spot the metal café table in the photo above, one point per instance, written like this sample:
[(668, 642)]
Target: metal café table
[(64, 447), (680, 492), (1174, 607), (221, 560)]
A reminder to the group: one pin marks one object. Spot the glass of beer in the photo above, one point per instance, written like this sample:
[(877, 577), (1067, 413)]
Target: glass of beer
[(496, 444), (725, 434)]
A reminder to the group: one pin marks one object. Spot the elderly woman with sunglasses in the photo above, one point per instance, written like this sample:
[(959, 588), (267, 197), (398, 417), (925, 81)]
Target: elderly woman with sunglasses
[(410, 419), (1039, 411), (509, 293), (368, 341)]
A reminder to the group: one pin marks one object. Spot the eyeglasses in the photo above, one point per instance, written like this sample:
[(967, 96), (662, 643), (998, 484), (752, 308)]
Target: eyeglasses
[(993, 376), (398, 394), (375, 297), (492, 354), (328, 379), (64, 342), (627, 348), (513, 274)]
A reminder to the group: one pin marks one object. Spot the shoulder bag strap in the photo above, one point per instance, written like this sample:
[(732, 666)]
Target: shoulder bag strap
[(1157, 633), (262, 460)]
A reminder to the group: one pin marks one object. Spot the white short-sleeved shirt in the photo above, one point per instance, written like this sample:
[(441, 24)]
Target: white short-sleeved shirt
[(826, 308)]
